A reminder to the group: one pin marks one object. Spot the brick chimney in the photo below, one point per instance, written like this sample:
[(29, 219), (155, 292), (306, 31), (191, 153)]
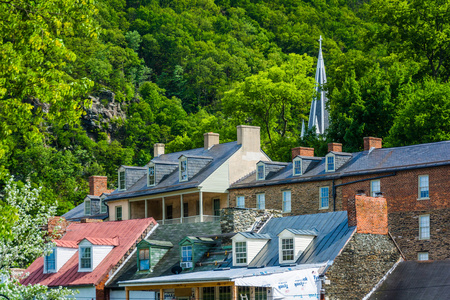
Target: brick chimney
[(372, 142), (303, 151), (249, 138), (210, 139), (336, 147), (158, 149), (368, 214), (98, 185), (56, 226)]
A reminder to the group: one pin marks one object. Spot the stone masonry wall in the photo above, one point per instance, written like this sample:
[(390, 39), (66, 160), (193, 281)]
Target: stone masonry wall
[(242, 219), (304, 197), (360, 266), (404, 227)]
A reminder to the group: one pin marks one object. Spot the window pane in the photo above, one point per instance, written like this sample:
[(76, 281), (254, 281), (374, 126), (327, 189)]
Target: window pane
[(424, 227), (287, 248), (122, 180), (422, 256), (423, 186), (208, 293), (324, 191), (51, 262), (297, 167), (85, 258), (260, 293), (119, 213), (87, 207), (183, 170), (186, 253), (261, 201), (375, 187), (261, 172), (151, 175), (330, 163), (225, 293), (241, 252), (286, 201), (240, 201)]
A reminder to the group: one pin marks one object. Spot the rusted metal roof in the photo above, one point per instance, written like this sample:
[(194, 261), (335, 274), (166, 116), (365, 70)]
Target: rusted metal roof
[(103, 241), (125, 233), (66, 244)]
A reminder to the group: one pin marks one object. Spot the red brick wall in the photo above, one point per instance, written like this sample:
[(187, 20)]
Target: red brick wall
[(369, 214), (98, 185), (304, 197), (401, 190)]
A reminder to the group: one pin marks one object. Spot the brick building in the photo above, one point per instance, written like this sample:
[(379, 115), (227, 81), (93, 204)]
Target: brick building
[(413, 179)]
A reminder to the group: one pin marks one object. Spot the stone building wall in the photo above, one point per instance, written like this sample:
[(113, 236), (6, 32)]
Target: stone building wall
[(404, 227), (362, 263), (304, 197), (242, 219)]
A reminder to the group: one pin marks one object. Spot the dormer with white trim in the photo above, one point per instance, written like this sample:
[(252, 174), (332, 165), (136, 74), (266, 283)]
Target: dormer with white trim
[(246, 245), (292, 243), (158, 170), (191, 165), (92, 251), (264, 169), (60, 254), (127, 176)]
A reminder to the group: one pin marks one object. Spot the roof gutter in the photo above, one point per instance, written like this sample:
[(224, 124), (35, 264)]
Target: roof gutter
[(145, 284)]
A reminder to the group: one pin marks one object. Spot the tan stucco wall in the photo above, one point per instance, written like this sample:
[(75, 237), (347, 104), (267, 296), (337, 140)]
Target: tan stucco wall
[(112, 209)]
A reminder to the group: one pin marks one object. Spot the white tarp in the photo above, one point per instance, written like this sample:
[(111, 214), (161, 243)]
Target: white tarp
[(298, 284)]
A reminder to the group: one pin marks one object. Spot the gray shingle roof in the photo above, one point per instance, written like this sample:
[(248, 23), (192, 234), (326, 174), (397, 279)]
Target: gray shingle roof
[(365, 162), (218, 153), (413, 280)]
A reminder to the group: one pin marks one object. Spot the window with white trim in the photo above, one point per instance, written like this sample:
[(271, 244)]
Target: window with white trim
[(240, 202), (85, 258), (121, 180), (261, 201), (87, 207), (424, 227), (50, 262), (103, 208), (324, 197), (330, 163), (119, 213), (186, 253), (260, 172), (151, 175), (286, 201), (287, 249), (422, 256), (424, 192), (240, 249), (375, 187), (297, 166), (183, 169)]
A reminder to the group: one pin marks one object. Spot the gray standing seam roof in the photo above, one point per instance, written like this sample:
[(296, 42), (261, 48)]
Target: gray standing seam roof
[(218, 153), (254, 235)]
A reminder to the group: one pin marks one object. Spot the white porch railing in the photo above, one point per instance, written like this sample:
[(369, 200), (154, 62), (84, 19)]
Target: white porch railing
[(192, 219)]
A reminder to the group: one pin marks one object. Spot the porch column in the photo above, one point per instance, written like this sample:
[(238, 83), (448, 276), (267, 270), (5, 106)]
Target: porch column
[(163, 210), (161, 292), (146, 208), (127, 293), (252, 293), (197, 293), (201, 206), (182, 209), (234, 293)]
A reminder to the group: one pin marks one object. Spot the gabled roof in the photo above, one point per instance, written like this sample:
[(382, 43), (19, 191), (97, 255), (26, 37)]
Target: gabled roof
[(254, 235), (102, 241), (302, 232), (414, 280), (194, 239), (126, 232), (219, 154), (361, 163), (66, 244)]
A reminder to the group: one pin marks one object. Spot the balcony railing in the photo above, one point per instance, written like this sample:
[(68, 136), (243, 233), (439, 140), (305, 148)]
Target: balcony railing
[(191, 219)]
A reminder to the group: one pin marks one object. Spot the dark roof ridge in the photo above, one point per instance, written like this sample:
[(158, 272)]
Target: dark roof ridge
[(309, 157), (341, 153)]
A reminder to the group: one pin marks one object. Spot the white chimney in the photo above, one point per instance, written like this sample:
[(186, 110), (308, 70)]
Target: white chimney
[(210, 139), (249, 138), (158, 149)]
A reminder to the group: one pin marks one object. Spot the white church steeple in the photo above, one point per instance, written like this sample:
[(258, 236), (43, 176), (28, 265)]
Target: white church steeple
[(318, 115)]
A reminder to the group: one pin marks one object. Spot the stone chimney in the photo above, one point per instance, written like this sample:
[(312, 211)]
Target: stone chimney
[(372, 142), (249, 138), (302, 151), (336, 147), (368, 214), (158, 149), (210, 139), (98, 185)]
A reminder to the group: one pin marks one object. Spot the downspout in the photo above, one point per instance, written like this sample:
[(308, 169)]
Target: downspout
[(355, 181)]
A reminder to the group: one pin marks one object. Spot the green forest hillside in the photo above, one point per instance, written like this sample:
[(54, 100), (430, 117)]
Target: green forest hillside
[(86, 86)]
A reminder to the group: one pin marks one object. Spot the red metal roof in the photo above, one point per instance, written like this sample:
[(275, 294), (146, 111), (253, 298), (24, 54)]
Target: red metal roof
[(66, 244), (103, 241), (123, 233)]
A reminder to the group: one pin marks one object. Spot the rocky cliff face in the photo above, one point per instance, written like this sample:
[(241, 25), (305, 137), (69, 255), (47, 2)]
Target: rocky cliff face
[(104, 115)]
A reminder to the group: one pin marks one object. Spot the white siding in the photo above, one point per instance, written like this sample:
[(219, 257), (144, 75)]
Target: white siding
[(99, 253), (301, 242), (85, 293), (218, 181), (134, 295), (63, 255)]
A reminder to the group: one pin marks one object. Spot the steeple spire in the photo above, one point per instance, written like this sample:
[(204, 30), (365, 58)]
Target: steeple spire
[(318, 115)]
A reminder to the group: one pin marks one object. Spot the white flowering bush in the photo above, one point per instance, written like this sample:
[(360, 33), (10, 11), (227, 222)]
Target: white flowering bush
[(22, 240)]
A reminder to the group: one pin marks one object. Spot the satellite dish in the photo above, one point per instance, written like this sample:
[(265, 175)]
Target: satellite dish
[(177, 270)]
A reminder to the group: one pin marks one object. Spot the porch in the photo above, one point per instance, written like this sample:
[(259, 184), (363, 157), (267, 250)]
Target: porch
[(186, 207)]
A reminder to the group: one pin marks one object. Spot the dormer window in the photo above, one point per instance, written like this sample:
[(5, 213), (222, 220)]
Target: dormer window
[(50, 262), (293, 242), (183, 169), (144, 259), (287, 249), (241, 253), (297, 166), (186, 254), (87, 207), (85, 258), (122, 180), (330, 163), (151, 175), (103, 208), (260, 171)]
